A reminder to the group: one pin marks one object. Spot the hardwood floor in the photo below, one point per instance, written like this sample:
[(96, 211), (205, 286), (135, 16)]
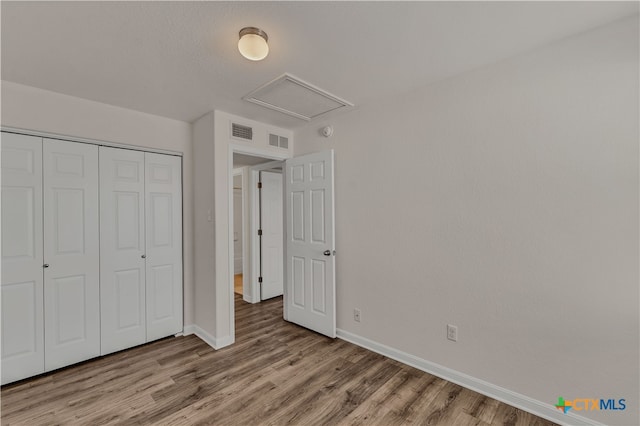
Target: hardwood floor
[(275, 373), (237, 284)]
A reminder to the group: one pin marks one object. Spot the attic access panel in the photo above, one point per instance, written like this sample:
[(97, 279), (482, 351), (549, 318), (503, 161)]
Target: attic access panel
[(290, 95)]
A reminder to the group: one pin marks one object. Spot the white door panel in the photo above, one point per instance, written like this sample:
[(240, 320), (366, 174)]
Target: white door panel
[(22, 258), (163, 245), (310, 237), (272, 235), (71, 249), (55, 223), (122, 263)]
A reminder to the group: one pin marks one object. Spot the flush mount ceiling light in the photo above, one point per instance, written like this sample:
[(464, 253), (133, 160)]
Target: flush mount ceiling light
[(253, 43)]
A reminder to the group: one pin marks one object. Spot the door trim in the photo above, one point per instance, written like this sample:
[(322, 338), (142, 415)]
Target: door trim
[(58, 136), (254, 177), (243, 236), (254, 244)]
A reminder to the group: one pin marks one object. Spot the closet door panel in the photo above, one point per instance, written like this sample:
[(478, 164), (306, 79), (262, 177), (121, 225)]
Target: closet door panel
[(122, 263), (71, 249), (163, 245), (22, 259)]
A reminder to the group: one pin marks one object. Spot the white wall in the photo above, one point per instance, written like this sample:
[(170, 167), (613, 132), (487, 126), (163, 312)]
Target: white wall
[(204, 235), (213, 149), (31, 108), (504, 201), (224, 147)]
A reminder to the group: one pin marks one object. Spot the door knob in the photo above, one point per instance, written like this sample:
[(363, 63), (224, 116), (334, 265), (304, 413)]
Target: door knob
[(46, 265), (144, 256), (327, 253)]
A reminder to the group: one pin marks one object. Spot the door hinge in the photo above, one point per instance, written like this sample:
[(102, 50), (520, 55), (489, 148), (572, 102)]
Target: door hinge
[(260, 232), (259, 185), (260, 280)]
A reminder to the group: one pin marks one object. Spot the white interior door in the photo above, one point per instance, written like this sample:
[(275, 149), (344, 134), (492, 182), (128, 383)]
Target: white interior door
[(310, 235), (271, 242), (71, 249), (22, 276), (163, 210), (122, 244)]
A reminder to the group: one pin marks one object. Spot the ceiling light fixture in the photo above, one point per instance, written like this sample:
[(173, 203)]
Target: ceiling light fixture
[(253, 43)]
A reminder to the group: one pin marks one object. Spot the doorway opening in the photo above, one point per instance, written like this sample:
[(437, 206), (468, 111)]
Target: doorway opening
[(307, 220), (270, 223), (258, 249)]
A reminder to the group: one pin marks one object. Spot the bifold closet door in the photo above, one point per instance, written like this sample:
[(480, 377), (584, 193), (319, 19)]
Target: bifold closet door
[(71, 251), (163, 211), (22, 276), (122, 255)]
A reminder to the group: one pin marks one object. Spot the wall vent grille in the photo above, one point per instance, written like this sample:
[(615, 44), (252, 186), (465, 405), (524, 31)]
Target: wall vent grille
[(278, 141), (241, 132)]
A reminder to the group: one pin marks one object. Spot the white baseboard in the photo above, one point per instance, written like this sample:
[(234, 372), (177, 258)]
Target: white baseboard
[(225, 341), (249, 299), (533, 406), (208, 338)]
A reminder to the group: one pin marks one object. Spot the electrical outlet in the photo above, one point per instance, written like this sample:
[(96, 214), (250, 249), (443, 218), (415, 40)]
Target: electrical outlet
[(452, 332), (356, 315)]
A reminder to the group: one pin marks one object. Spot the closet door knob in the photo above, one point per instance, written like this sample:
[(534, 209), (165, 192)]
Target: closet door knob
[(46, 265), (144, 256)]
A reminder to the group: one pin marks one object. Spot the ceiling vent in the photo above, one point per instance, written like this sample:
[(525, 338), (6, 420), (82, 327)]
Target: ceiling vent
[(278, 141), (238, 131), (290, 95)]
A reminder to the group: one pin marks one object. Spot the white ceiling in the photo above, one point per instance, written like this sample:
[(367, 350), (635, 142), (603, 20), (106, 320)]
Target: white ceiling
[(179, 59)]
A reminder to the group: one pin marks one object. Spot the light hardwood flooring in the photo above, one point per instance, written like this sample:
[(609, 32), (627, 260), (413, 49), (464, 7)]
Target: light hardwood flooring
[(275, 373), (237, 284)]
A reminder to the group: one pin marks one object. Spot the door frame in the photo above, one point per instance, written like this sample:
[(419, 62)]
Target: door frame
[(245, 263), (235, 148), (99, 142), (254, 225)]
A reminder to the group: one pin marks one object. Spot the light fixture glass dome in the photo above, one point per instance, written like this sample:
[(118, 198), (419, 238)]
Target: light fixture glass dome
[(253, 43)]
